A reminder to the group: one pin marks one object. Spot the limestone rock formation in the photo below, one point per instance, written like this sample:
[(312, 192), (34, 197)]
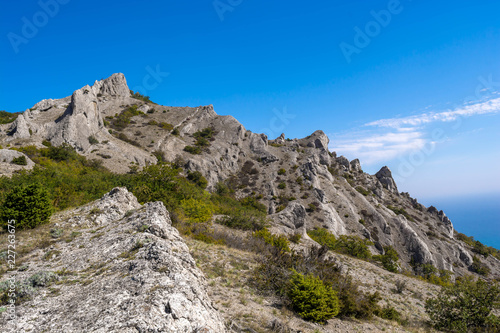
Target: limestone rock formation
[(134, 275), (302, 184)]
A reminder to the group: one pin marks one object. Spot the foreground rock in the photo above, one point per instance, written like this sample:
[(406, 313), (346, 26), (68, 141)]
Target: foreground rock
[(122, 267)]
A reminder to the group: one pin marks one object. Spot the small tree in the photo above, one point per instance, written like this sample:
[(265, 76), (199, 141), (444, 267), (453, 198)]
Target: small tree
[(464, 306), (311, 298), (29, 205)]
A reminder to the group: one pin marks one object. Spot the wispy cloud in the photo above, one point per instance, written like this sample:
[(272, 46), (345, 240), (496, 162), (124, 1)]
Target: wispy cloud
[(386, 139), (484, 107), (378, 147)]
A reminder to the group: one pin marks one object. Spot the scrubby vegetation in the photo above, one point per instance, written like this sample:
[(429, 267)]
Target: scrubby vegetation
[(465, 306), (141, 97), (28, 205), (8, 117), (345, 244), (311, 298), (478, 247), (122, 120), (401, 211)]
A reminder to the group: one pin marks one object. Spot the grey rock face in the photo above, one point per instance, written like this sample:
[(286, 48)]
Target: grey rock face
[(140, 276), (115, 85), (338, 195), (384, 175), (80, 121)]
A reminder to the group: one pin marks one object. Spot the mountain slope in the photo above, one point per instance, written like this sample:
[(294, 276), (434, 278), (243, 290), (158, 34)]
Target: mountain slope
[(301, 183)]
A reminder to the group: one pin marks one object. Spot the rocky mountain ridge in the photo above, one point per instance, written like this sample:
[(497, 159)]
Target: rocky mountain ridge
[(302, 183)]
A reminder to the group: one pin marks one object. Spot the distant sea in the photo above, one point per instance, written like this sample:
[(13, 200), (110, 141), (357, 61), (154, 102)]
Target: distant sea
[(477, 215)]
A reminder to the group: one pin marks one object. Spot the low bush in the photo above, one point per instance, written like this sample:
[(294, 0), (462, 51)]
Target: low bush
[(193, 150), (21, 160), (465, 306), (311, 298), (278, 241), (28, 205)]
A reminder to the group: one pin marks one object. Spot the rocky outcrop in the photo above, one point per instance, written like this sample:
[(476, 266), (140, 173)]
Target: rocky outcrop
[(384, 176), (134, 275), (309, 186), (79, 122)]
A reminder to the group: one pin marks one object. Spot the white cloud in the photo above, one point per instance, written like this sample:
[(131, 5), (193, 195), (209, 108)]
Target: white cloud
[(484, 107), (373, 148), (386, 139)]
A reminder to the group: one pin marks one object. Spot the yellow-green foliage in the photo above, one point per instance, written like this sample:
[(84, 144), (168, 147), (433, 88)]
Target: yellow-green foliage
[(465, 306), (196, 210), (311, 298), (351, 245), (28, 205), (323, 237), (389, 259), (280, 242)]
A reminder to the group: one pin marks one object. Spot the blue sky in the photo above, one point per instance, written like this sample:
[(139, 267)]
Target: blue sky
[(409, 84)]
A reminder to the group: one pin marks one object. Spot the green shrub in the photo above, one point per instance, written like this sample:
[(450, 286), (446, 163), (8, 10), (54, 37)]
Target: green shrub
[(389, 313), (401, 211), (282, 186), (197, 178), (295, 238), (243, 220), (93, 140), (353, 246), (28, 205), (7, 117), (311, 298), (280, 242), (166, 126), (197, 210), (478, 267), (323, 237), (141, 97), (362, 190), (464, 306), (21, 160), (390, 259), (193, 150), (175, 131), (281, 171)]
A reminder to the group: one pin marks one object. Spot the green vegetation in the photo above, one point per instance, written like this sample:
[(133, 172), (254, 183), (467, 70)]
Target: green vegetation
[(281, 186), (478, 247), (280, 242), (323, 237), (93, 140), (401, 211), (281, 171), (345, 244), (28, 205), (465, 306), (389, 259), (311, 298), (138, 96), (122, 120), (7, 117), (21, 160), (193, 150), (478, 267), (197, 178), (203, 138), (362, 190)]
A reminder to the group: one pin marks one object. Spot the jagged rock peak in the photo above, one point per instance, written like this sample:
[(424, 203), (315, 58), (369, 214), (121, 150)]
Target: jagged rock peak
[(115, 85), (317, 140), (384, 175)]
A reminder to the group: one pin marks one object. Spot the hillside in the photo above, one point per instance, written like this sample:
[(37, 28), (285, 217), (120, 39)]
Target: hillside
[(298, 184)]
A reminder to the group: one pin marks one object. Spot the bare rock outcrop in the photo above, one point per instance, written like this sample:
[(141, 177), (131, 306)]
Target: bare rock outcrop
[(384, 175), (134, 275)]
